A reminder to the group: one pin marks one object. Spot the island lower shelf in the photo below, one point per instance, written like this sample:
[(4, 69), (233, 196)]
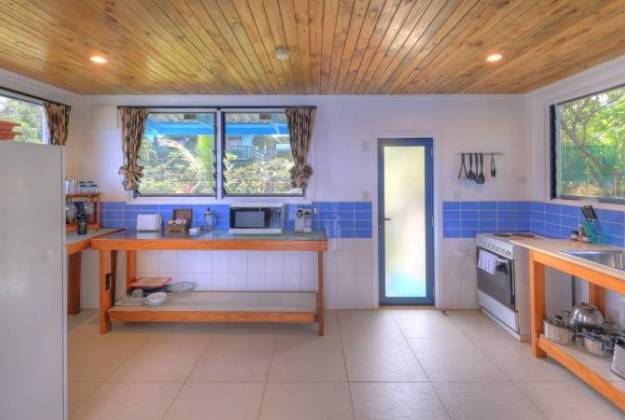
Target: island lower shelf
[(593, 370), (241, 306)]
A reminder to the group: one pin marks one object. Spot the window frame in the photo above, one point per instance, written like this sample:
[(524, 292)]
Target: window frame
[(220, 147), (553, 155), (224, 193), (138, 194), (34, 100)]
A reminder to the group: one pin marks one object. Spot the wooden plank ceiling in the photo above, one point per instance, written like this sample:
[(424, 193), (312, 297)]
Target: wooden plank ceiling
[(335, 46)]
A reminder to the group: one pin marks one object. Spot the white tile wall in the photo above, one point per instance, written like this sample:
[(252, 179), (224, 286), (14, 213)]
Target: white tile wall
[(350, 281)]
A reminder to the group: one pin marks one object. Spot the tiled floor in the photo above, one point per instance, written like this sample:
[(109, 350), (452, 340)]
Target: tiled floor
[(387, 364)]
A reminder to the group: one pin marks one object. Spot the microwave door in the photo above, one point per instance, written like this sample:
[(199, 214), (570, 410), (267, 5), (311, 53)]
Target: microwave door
[(249, 219)]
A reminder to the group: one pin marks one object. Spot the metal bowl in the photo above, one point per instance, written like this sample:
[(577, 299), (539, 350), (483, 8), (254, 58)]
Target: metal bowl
[(586, 314)]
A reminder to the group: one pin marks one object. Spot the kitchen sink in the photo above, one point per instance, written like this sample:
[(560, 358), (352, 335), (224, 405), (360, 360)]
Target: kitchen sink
[(614, 259)]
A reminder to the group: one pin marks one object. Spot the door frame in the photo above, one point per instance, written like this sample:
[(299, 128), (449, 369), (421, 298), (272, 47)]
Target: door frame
[(428, 144)]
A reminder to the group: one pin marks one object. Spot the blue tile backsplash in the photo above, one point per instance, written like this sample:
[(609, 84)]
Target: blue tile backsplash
[(464, 219), (340, 219)]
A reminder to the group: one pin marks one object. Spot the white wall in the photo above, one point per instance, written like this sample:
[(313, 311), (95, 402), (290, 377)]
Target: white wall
[(344, 158), (598, 78)]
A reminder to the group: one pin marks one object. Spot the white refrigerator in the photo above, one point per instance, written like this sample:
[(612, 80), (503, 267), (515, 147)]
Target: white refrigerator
[(32, 283)]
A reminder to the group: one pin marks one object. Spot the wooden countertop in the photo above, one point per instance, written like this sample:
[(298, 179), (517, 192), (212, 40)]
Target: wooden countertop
[(554, 248), (217, 240), (75, 243)]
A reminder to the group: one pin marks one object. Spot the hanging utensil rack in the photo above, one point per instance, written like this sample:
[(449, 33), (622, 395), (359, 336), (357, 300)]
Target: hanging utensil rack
[(467, 160)]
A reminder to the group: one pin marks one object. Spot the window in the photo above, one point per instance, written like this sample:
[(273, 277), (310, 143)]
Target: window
[(588, 147), (257, 154), (30, 116), (178, 154)]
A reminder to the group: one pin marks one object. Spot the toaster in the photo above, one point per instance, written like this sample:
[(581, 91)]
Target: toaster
[(149, 222)]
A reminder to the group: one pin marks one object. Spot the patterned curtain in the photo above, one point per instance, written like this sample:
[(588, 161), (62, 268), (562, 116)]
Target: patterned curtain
[(133, 123), (301, 121), (58, 119)]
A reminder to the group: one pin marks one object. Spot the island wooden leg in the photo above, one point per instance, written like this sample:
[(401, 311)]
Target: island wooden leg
[(73, 284), (596, 296), (106, 278), (537, 303), (131, 268), (320, 292)]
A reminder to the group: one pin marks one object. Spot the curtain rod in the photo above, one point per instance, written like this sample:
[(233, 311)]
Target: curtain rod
[(29, 96), (216, 107)]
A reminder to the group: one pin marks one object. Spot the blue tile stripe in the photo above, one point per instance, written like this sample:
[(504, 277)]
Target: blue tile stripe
[(558, 220), (340, 219), (464, 219)]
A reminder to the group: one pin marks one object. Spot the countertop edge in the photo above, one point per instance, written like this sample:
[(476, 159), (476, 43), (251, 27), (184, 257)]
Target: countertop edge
[(556, 246)]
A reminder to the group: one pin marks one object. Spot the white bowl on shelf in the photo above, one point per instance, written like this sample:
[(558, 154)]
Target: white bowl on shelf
[(181, 287), (156, 299)]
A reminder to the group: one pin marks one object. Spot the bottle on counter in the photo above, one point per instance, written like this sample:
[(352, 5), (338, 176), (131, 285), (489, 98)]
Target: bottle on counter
[(81, 218)]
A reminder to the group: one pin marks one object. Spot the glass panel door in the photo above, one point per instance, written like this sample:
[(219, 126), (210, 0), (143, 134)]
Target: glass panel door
[(405, 221)]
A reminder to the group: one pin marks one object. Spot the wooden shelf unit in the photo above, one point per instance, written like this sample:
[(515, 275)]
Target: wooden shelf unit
[(184, 309), (95, 197), (592, 370)]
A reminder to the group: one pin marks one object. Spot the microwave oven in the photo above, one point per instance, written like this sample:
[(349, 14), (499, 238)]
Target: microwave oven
[(257, 219)]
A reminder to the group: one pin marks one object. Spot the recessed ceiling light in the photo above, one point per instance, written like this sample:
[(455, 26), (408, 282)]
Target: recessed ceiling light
[(492, 58), (98, 59), (282, 54)]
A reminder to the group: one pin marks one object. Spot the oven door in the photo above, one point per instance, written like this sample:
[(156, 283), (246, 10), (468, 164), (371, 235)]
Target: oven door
[(250, 218), (500, 284)]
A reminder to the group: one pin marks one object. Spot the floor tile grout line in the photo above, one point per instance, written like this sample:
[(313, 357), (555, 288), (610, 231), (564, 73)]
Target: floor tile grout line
[(262, 397), (186, 381), (410, 348), (430, 383), (87, 398), (530, 399), (348, 383)]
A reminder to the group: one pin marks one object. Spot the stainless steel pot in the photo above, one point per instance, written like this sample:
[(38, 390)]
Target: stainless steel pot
[(558, 331), (598, 346), (618, 360), (586, 314)]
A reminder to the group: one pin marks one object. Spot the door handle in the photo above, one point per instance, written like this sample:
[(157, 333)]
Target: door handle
[(387, 219)]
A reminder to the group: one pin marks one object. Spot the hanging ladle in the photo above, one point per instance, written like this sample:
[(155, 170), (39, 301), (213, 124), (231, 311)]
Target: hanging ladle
[(463, 168), (479, 179), (493, 170), (471, 174)]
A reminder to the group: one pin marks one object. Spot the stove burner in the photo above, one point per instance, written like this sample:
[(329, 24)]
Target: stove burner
[(515, 235)]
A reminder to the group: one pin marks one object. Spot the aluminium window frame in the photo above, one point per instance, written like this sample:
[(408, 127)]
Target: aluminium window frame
[(244, 110), (553, 155), (195, 110)]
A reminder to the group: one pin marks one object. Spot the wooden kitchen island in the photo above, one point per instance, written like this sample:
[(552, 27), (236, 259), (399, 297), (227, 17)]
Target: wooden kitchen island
[(74, 245), (593, 370), (232, 306)]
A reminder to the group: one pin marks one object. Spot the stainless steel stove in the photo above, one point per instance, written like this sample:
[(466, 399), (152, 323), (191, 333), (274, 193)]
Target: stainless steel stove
[(499, 243), (502, 280)]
